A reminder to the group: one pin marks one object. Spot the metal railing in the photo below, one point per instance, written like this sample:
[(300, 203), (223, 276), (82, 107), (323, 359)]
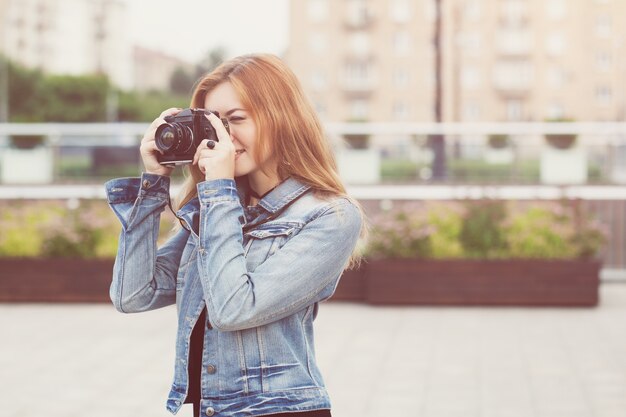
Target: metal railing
[(403, 149), (403, 154)]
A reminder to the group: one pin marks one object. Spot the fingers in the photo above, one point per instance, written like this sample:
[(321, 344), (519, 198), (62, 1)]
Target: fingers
[(149, 135), (196, 156), (149, 147), (222, 133), (169, 112)]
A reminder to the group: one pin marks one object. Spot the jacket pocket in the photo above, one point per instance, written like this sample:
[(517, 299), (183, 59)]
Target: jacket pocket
[(264, 242)]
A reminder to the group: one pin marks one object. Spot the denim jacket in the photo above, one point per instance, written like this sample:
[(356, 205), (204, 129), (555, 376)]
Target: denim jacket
[(259, 271)]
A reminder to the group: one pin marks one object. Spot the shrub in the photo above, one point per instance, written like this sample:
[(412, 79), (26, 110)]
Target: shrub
[(498, 141), (401, 233), (482, 235), (73, 229), (486, 230)]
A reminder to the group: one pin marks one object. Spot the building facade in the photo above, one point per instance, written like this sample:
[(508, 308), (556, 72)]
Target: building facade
[(69, 37), (153, 69), (503, 60)]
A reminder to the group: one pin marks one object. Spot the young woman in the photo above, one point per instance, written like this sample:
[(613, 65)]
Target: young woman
[(268, 230)]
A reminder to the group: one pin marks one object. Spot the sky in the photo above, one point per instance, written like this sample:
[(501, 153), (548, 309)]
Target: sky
[(188, 29)]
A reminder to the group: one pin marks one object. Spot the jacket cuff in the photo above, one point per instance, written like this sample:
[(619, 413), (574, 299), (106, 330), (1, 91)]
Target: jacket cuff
[(222, 189), (128, 189)]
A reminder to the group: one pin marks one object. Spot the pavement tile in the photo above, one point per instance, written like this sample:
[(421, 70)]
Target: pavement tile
[(89, 360)]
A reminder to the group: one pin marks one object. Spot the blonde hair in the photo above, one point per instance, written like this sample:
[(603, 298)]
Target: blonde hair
[(288, 127)]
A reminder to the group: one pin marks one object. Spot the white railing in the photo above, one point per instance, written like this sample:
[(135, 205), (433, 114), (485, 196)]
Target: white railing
[(56, 130)]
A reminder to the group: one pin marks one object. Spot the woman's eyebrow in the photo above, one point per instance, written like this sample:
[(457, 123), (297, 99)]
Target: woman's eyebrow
[(229, 112)]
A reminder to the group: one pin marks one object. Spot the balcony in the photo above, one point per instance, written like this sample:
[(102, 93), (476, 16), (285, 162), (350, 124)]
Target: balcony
[(359, 18), (359, 87), (514, 44), (513, 79)]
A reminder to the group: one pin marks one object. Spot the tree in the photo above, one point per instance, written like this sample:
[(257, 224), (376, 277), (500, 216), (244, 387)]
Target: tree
[(181, 82), (210, 61), (25, 94), (76, 98)]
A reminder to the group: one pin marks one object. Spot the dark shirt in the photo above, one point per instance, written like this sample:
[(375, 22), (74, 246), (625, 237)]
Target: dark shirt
[(195, 359)]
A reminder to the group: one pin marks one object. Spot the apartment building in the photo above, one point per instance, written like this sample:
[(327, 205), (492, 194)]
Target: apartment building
[(153, 69), (503, 60), (69, 37)]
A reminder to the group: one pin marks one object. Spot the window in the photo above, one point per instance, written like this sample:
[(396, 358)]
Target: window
[(359, 43), (514, 41), (359, 109), (555, 111), (470, 78), (513, 75), (603, 25), (555, 77), (320, 108), (317, 10), (514, 110), (514, 11), (400, 110), (471, 111), (318, 80), (318, 42), (604, 95), (556, 9), (430, 10), (358, 13), (400, 78), (401, 43), (470, 43), (472, 10), (604, 61), (555, 44), (400, 11), (358, 75)]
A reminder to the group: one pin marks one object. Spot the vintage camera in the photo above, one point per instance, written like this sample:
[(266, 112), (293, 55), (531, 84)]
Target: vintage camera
[(180, 136)]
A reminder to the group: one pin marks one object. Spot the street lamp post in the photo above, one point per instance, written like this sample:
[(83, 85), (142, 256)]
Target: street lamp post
[(437, 141)]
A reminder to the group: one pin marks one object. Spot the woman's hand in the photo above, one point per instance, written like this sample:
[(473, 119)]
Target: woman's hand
[(149, 150), (218, 162)]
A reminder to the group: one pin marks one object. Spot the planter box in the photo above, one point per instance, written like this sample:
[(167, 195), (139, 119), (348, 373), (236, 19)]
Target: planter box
[(55, 280), (479, 282), (352, 286), (398, 281), (26, 166), (359, 166), (563, 166)]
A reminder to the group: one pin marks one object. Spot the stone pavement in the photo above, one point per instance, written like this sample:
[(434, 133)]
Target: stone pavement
[(91, 361)]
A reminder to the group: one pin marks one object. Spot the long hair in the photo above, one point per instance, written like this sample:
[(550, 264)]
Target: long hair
[(287, 127)]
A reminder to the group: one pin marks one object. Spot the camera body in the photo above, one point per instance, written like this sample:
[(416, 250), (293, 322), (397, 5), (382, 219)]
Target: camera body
[(181, 134)]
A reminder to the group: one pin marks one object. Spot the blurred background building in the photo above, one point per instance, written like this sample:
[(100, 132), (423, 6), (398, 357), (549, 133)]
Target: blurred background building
[(502, 60), (153, 69), (69, 37)]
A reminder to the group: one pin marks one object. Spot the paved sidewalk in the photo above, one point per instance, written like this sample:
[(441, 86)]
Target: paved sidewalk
[(91, 361)]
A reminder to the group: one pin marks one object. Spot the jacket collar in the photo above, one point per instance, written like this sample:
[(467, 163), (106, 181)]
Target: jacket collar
[(285, 193), (277, 199)]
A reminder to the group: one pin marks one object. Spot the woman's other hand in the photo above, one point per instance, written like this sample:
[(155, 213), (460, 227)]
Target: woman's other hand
[(149, 150), (218, 162)]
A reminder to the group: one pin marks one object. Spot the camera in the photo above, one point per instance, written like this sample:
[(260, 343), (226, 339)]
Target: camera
[(181, 135)]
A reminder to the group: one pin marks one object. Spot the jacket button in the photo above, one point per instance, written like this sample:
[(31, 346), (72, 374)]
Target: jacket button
[(211, 369), (146, 184), (210, 411)]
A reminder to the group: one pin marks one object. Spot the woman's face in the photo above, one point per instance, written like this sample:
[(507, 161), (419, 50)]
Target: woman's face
[(243, 129)]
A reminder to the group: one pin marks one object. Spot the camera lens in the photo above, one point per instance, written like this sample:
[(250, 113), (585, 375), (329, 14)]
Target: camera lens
[(173, 137), (168, 139)]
